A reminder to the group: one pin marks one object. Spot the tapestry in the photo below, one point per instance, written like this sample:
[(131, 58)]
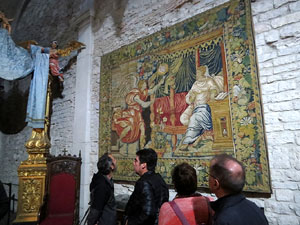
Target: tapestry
[(190, 92)]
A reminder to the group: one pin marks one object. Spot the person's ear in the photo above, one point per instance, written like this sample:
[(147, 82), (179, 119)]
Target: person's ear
[(144, 165), (112, 167), (216, 184)]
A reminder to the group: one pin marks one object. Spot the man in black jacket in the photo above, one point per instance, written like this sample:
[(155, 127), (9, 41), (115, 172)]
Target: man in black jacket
[(226, 180), (103, 205), (150, 191)]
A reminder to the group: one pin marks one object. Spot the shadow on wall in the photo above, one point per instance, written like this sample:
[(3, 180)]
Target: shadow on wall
[(115, 8), (13, 103)]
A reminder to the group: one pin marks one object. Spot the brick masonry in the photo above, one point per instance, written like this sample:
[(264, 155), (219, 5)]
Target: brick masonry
[(116, 23)]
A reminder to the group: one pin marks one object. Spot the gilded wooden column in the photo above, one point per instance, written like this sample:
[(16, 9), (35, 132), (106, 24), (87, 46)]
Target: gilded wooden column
[(32, 172)]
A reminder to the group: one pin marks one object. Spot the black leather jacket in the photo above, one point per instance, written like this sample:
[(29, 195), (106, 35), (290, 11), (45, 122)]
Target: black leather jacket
[(150, 192)]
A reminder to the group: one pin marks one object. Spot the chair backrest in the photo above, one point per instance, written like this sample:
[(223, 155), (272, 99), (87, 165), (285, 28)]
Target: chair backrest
[(63, 186)]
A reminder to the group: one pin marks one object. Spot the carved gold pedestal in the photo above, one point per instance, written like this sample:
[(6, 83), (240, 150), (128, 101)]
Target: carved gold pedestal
[(32, 172), (32, 177)]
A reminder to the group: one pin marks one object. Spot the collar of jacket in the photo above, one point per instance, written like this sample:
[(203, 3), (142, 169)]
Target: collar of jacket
[(147, 173), (109, 181), (226, 201)]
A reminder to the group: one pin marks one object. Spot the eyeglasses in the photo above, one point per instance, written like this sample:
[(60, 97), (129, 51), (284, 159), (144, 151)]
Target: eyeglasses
[(208, 174)]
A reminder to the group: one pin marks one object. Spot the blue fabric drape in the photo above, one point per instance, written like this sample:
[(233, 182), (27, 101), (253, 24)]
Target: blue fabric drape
[(199, 122), (38, 89), (15, 61)]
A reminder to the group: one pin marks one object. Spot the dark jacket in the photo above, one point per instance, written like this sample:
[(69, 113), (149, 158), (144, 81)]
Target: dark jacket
[(4, 203), (150, 192), (103, 205), (237, 210)]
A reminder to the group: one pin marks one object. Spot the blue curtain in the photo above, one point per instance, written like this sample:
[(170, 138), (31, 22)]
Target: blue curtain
[(211, 57), (186, 75)]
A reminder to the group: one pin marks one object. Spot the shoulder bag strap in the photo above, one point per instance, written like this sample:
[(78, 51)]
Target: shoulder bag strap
[(84, 218), (178, 213), (210, 212)]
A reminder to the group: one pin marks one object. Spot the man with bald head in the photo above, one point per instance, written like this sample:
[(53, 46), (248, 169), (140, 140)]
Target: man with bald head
[(226, 181)]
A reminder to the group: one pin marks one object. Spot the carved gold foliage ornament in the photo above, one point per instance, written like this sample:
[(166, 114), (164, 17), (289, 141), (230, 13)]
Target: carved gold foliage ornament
[(32, 172), (32, 176), (36, 157), (32, 191)]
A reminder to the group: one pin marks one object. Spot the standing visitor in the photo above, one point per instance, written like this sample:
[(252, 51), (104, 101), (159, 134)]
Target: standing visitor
[(226, 180), (103, 204), (150, 191), (188, 207)]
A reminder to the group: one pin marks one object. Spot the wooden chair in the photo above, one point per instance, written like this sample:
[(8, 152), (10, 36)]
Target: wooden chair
[(61, 201)]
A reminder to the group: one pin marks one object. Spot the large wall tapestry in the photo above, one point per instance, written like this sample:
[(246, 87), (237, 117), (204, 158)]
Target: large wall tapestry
[(190, 91)]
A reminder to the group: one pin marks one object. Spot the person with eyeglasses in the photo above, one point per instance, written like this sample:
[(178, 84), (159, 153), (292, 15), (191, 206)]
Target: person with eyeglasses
[(226, 181)]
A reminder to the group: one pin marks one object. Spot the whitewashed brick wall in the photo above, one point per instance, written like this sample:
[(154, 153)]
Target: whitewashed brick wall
[(276, 25), (118, 23)]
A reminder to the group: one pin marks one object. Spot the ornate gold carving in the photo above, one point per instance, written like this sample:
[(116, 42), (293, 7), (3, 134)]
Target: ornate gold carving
[(37, 147), (32, 176), (71, 46), (32, 194), (32, 172), (39, 139)]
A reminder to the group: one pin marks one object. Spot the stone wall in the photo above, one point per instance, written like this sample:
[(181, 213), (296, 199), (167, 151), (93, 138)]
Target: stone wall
[(120, 22), (276, 25)]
